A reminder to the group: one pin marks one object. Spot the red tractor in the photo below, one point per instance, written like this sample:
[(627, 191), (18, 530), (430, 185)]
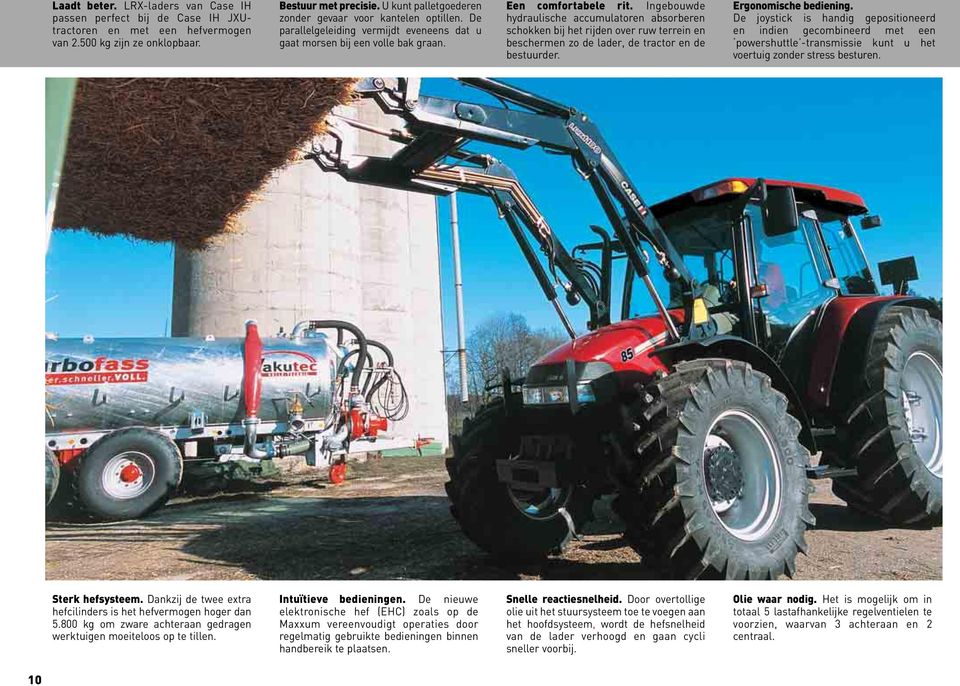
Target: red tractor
[(750, 335)]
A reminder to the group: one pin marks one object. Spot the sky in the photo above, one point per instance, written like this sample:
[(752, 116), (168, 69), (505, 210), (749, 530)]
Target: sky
[(881, 138)]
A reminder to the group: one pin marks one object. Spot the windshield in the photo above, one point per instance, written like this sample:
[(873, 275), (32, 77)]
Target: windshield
[(704, 238)]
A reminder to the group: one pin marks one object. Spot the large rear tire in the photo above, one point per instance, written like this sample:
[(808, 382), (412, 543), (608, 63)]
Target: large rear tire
[(893, 431), (715, 476), (513, 525), (128, 474)]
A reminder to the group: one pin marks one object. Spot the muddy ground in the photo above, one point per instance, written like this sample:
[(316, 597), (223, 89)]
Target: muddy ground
[(390, 520)]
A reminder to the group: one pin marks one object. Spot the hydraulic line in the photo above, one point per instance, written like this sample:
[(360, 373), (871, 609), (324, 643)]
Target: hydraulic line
[(630, 248), (513, 201), (465, 178), (390, 364), (545, 283), (339, 326), (378, 394), (346, 359), (388, 386)]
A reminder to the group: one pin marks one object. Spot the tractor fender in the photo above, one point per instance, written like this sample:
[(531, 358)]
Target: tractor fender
[(735, 348), (857, 338)]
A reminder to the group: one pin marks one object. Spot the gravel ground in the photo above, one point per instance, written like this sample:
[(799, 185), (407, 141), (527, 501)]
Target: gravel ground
[(390, 521)]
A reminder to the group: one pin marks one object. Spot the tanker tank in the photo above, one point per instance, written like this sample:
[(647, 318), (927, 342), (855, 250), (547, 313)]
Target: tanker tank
[(186, 383)]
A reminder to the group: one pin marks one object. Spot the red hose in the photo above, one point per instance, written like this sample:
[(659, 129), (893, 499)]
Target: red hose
[(252, 361)]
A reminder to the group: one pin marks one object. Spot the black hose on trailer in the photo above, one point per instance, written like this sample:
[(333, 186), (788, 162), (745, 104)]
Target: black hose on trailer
[(388, 386), (346, 359), (340, 326), (379, 382), (382, 404)]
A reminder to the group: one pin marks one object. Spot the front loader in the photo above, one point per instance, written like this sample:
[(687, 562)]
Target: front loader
[(745, 334)]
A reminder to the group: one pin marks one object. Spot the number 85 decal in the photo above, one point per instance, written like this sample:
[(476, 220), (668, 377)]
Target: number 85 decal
[(626, 354)]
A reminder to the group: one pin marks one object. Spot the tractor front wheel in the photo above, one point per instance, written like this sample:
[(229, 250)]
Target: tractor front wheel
[(715, 477), (512, 524), (893, 431)]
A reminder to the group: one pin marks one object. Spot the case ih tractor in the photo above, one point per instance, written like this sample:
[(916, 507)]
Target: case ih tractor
[(734, 331)]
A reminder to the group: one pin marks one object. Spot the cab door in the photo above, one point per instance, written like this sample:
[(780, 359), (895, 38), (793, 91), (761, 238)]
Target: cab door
[(790, 281)]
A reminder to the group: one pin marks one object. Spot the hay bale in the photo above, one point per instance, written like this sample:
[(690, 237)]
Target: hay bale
[(178, 159)]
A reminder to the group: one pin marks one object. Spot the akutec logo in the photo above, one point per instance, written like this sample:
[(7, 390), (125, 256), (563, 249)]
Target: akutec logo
[(69, 371), (288, 363)]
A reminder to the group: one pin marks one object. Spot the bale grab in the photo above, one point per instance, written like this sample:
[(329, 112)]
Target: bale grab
[(179, 159)]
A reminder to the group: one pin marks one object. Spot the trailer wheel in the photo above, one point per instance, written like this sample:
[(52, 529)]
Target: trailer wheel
[(714, 482), (894, 429), (52, 475), (510, 524), (128, 474)]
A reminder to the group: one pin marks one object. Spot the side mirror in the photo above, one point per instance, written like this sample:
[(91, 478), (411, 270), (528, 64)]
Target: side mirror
[(871, 221), (780, 215), (898, 273)]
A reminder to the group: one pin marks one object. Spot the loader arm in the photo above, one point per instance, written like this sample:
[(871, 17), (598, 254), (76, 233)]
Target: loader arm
[(438, 128)]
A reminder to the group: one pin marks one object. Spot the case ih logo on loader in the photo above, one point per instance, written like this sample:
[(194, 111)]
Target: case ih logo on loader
[(100, 370), (290, 363), (634, 198)]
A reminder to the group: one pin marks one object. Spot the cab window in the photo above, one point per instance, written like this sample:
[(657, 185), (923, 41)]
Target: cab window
[(848, 261), (791, 267)]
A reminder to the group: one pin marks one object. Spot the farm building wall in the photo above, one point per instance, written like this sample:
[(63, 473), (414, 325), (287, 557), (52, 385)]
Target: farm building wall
[(315, 247)]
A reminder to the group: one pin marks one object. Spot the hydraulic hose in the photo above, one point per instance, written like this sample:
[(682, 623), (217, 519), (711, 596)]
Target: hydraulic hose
[(349, 356), (295, 447), (340, 326), (382, 380)]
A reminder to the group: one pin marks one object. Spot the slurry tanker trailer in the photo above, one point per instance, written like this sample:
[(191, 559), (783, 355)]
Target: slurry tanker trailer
[(122, 414)]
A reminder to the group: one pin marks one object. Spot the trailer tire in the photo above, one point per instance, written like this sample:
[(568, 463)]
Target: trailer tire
[(52, 475), (488, 511), (898, 480), (713, 481), (128, 474)]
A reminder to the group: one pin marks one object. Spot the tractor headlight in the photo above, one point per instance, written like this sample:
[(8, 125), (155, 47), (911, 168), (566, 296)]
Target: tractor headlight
[(532, 395), (556, 395), (585, 393)]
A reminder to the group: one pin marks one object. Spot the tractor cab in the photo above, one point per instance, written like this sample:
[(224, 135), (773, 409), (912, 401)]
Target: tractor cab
[(761, 269)]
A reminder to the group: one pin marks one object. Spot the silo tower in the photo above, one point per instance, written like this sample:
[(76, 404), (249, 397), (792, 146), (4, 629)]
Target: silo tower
[(315, 247)]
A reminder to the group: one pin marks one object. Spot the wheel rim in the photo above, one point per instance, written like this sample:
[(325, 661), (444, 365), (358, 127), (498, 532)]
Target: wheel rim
[(921, 387), (128, 475), (741, 470), (544, 503)]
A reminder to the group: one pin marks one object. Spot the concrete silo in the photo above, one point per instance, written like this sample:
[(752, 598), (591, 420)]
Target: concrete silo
[(314, 246)]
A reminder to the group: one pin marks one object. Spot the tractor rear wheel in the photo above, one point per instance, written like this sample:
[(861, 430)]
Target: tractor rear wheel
[(715, 476), (516, 525), (893, 431)]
